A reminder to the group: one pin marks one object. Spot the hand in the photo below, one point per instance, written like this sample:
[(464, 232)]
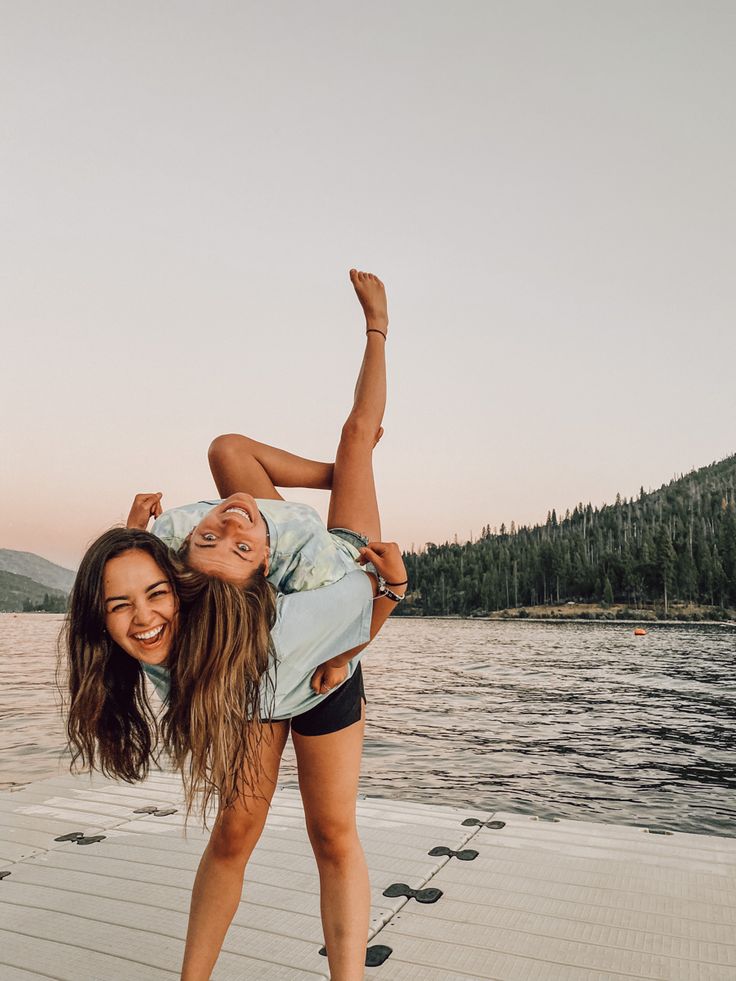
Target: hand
[(144, 507), (327, 677), (386, 557)]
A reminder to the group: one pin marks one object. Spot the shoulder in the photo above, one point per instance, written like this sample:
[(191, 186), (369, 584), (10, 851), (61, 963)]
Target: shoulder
[(284, 512), (174, 525)]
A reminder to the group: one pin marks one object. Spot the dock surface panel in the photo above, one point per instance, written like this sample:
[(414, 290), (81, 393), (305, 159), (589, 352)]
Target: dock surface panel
[(541, 900)]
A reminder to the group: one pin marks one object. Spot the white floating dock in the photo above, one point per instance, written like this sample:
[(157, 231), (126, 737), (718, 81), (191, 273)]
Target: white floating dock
[(541, 901)]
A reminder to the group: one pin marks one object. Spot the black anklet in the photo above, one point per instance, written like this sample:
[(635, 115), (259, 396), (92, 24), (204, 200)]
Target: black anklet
[(375, 330)]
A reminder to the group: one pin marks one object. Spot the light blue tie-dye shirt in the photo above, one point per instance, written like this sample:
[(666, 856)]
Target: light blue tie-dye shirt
[(303, 553), (310, 628)]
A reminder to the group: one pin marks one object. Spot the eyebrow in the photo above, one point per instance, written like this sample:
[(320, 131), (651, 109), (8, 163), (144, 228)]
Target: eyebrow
[(161, 582), (214, 545)]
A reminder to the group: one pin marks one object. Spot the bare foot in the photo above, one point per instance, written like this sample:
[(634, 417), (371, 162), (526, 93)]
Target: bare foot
[(372, 296)]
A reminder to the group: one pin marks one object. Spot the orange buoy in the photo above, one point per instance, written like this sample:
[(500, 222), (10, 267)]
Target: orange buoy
[(640, 632)]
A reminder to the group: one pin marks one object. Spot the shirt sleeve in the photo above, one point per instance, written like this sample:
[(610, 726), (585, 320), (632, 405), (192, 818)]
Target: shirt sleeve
[(163, 528), (311, 627), (173, 526)]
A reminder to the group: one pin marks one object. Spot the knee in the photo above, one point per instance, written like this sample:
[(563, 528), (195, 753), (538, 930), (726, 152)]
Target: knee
[(334, 842), (233, 840), (225, 447), (359, 429)]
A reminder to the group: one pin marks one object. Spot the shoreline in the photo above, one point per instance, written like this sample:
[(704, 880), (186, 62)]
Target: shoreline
[(644, 621)]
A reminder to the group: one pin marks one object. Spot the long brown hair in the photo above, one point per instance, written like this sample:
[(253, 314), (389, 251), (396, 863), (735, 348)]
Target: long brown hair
[(218, 665), (219, 686), (110, 723)]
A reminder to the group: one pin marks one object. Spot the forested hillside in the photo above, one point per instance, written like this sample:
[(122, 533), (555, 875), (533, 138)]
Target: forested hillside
[(19, 593), (38, 569), (675, 543)]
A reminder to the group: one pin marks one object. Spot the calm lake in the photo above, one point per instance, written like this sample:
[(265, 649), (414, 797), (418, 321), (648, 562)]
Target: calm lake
[(570, 720)]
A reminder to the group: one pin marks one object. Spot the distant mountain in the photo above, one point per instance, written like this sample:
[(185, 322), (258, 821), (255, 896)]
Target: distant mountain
[(40, 570), (19, 592)]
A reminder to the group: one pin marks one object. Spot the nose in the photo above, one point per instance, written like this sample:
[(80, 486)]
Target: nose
[(143, 614), (231, 519)]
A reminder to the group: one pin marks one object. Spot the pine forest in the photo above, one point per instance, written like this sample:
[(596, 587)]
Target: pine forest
[(668, 547)]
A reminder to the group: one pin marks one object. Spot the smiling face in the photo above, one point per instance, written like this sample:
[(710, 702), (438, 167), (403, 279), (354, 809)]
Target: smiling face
[(140, 606), (231, 541)]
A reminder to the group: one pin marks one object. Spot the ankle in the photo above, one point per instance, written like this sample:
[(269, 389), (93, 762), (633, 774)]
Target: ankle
[(377, 322)]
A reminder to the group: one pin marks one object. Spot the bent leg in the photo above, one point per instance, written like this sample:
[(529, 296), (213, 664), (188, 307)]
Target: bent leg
[(353, 502), (219, 880), (329, 768), (239, 463)]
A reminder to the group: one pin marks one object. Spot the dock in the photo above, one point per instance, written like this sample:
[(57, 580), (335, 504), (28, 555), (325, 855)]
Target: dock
[(95, 880)]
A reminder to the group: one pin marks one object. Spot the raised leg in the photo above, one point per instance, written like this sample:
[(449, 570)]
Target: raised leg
[(239, 464), (353, 502), (329, 768), (219, 880)]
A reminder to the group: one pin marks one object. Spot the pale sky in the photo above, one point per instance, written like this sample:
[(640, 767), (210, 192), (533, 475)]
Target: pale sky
[(546, 188)]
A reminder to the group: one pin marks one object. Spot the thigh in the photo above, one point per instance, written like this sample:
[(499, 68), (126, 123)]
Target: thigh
[(353, 501), (329, 771), (248, 814)]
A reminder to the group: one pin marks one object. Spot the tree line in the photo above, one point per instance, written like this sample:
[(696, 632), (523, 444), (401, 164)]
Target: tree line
[(49, 604), (677, 543)]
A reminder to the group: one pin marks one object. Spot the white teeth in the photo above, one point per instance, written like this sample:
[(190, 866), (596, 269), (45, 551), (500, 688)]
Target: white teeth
[(149, 634), (240, 511)]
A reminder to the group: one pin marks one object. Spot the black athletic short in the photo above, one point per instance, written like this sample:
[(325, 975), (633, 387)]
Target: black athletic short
[(338, 711)]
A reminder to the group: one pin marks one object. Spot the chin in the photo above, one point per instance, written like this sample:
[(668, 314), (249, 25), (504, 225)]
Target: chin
[(153, 659)]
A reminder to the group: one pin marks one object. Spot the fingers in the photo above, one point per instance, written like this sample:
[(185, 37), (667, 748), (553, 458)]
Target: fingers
[(367, 555), (316, 683), (149, 503), (380, 549)]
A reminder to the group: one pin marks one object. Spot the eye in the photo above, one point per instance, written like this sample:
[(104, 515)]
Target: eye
[(243, 547), (208, 536), (160, 592), (119, 606)]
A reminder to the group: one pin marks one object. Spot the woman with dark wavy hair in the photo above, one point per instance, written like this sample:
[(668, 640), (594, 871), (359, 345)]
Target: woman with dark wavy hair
[(135, 608), (110, 723)]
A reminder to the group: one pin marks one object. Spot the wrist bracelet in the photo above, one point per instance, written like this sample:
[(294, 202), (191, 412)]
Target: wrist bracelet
[(404, 583), (383, 590)]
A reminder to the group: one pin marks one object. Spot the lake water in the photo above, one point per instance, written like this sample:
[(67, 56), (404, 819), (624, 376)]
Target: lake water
[(570, 720)]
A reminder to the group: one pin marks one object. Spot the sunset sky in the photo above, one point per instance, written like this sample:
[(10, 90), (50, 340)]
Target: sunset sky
[(545, 187)]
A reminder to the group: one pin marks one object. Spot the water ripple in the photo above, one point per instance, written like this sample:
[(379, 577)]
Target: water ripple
[(560, 720)]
